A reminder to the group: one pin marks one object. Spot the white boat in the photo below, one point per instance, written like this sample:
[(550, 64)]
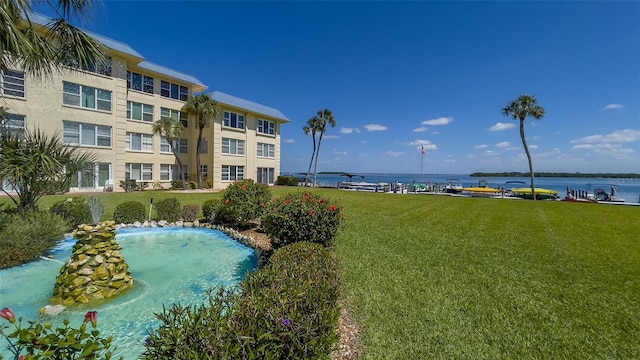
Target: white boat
[(454, 186), (599, 193)]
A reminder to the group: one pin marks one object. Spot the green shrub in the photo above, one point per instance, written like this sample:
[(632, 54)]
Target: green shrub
[(301, 217), (176, 184), (169, 209), (74, 210), (190, 212), (286, 310), (287, 180), (128, 185), (130, 212), (243, 201), (30, 235), (209, 209)]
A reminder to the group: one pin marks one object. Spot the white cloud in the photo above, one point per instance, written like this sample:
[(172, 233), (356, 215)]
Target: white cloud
[(582, 147), (502, 126), (618, 136), (375, 127), (288, 141), (394, 153), (438, 121), (435, 132), (346, 130), (420, 129), (331, 137), (533, 147), (491, 153), (503, 144), (339, 152), (613, 106), (481, 146)]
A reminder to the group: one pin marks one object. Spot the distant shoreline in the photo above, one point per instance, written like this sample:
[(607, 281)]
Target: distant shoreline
[(557, 175)]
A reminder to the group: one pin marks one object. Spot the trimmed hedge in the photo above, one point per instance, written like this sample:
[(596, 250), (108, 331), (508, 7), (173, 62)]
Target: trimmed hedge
[(169, 209), (130, 212), (209, 209), (190, 212)]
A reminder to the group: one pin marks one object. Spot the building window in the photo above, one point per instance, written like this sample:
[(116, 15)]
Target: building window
[(204, 170), (204, 146), (85, 96), (93, 176), (265, 176), (12, 83), (14, 124), (174, 91), (164, 145), (266, 127), (86, 134), (102, 66), (139, 142), (138, 111), (133, 171), (168, 172), (182, 146), (233, 120), (232, 172), (232, 146), (183, 116), (139, 82), (266, 150)]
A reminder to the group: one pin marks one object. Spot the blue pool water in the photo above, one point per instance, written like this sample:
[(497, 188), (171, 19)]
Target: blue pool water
[(169, 265)]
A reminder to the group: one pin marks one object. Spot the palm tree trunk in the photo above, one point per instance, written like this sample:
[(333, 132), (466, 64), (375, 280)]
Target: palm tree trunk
[(526, 150), (198, 172), (313, 154), (315, 168)]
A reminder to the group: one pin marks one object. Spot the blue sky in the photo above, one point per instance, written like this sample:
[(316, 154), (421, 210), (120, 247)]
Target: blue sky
[(401, 75)]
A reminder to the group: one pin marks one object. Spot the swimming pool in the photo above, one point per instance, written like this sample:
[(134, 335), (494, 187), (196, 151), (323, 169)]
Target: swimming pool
[(169, 265)]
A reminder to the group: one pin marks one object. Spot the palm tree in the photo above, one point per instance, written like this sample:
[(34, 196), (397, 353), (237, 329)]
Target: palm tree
[(323, 117), (171, 129), (311, 128), (36, 164), (523, 106), (39, 52), (203, 107)]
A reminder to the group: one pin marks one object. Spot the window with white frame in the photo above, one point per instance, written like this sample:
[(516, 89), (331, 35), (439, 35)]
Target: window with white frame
[(86, 96), (232, 172), (265, 176), (139, 82), (204, 170), (14, 124), (182, 146), (137, 171), (266, 150), (183, 116), (164, 145), (139, 111), (12, 83), (204, 146), (232, 146), (139, 142), (174, 91), (76, 133), (233, 120), (266, 127), (169, 172)]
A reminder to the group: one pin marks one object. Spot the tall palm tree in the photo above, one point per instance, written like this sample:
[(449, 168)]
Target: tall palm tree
[(39, 52), (203, 107), (171, 129), (323, 117), (523, 106), (311, 128)]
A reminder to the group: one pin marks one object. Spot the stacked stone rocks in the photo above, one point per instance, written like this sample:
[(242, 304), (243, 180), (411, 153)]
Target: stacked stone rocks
[(96, 270)]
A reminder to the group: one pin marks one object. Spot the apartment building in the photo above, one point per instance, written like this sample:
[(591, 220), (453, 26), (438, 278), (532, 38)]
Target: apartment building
[(109, 109)]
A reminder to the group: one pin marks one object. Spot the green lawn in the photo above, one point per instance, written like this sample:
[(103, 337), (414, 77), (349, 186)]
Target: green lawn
[(441, 277)]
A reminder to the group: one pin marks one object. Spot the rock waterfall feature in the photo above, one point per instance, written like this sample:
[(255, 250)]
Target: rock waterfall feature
[(96, 269)]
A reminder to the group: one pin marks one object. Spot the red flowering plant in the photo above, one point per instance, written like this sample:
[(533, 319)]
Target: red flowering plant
[(243, 202), (41, 341), (301, 216)]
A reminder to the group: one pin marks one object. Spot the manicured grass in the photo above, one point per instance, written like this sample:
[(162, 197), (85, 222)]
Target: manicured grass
[(441, 277)]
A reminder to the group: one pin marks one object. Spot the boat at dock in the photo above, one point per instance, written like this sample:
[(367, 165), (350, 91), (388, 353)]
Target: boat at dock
[(482, 190)]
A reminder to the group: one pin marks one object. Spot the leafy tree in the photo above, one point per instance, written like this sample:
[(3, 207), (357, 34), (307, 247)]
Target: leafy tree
[(171, 129), (322, 118), (36, 164), (523, 106), (203, 107), (311, 128), (39, 52)]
